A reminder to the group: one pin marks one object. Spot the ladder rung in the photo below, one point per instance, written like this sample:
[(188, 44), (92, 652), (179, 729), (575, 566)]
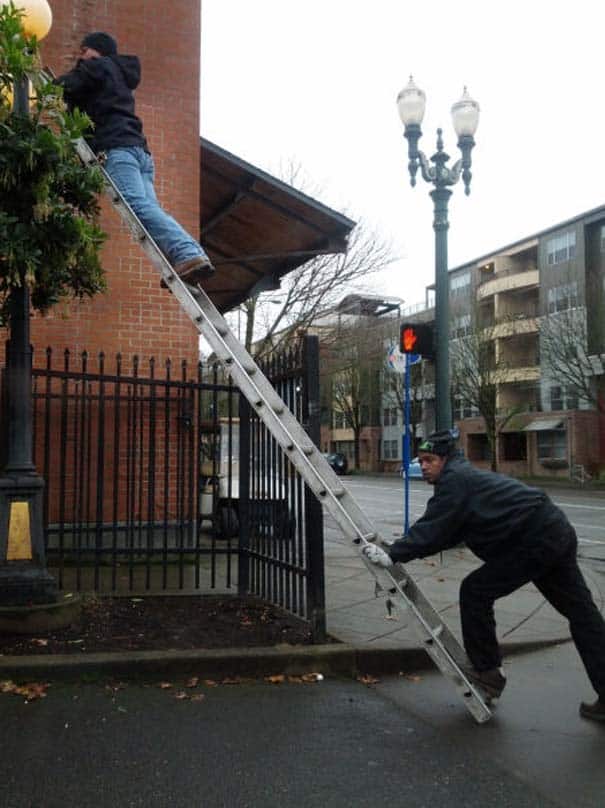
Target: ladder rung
[(435, 633)]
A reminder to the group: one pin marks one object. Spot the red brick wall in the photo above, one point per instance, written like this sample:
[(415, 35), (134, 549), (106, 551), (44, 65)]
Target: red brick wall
[(135, 316)]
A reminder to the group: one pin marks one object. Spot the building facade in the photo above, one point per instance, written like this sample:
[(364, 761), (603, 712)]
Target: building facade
[(533, 314)]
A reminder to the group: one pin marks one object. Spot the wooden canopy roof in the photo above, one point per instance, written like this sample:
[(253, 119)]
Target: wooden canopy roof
[(256, 228)]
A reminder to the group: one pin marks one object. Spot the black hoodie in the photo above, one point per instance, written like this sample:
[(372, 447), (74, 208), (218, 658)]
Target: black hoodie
[(489, 512), (102, 87)]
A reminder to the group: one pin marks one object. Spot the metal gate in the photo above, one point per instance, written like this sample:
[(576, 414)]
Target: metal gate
[(159, 482)]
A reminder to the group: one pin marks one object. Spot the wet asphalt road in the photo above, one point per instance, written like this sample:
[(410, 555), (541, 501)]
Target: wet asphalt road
[(334, 744)]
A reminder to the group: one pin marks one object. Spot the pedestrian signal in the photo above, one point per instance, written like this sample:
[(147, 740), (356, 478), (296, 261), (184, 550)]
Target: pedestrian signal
[(417, 338)]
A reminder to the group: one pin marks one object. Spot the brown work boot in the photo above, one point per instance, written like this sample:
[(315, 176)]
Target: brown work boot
[(596, 711), (192, 271), (491, 682)]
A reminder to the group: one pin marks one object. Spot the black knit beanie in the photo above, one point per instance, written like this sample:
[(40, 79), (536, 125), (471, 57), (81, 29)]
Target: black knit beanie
[(99, 41), (440, 443)]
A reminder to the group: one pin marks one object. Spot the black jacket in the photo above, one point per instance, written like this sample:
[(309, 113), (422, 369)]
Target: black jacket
[(488, 512), (102, 87)]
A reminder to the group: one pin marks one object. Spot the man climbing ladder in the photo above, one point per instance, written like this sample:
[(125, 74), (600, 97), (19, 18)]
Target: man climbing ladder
[(101, 84)]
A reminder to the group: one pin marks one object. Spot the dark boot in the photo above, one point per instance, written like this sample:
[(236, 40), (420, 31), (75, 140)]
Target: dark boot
[(491, 682), (596, 711), (192, 271)]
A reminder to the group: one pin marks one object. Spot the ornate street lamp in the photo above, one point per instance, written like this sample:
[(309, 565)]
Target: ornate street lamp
[(411, 102), (24, 578)]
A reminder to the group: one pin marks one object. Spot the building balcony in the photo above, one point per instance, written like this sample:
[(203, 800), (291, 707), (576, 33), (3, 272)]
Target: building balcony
[(529, 373), (507, 283), (512, 328)]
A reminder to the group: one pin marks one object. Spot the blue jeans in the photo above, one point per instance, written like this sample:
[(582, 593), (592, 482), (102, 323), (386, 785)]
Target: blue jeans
[(132, 170)]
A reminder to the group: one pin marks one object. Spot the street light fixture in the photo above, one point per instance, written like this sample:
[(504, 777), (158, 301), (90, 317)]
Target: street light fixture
[(411, 102), (24, 578)]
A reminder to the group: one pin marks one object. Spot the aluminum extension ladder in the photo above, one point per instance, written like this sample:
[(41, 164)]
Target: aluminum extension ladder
[(437, 639)]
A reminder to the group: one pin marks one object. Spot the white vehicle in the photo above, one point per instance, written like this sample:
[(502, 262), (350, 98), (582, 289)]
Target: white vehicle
[(219, 496)]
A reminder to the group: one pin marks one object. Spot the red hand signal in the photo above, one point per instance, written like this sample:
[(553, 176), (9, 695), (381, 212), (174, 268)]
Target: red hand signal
[(409, 339)]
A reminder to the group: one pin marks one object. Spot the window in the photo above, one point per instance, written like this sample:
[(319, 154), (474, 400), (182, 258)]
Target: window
[(390, 449), (513, 446), (563, 398), (552, 444), (340, 420), (459, 284), (345, 447), (478, 447), (461, 326), (561, 248), (563, 297), (556, 398), (390, 416), (462, 409)]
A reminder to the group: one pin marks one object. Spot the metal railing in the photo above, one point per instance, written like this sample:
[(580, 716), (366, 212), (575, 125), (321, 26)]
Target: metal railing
[(145, 467)]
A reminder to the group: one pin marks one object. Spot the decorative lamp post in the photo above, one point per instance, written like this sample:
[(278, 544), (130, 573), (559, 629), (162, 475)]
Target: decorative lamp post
[(24, 578), (411, 102)]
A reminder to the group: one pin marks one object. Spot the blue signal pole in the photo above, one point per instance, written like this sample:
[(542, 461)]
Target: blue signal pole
[(406, 447)]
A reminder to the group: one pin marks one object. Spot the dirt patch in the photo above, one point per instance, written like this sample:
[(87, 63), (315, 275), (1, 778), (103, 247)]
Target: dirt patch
[(165, 623)]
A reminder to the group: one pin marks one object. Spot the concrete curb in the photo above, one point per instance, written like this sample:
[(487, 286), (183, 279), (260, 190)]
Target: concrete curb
[(330, 660)]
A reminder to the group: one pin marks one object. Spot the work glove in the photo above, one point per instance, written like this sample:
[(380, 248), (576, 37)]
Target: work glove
[(376, 555)]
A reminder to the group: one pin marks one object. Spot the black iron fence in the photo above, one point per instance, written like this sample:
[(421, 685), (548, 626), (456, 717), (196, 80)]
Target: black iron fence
[(157, 481)]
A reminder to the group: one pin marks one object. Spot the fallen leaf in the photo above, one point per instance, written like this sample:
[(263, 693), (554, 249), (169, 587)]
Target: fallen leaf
[(39, 642), (31, 691), (368, 680), (181, 695), (412, 678), (165, 685), (231, 681), (275, 680), (210, 683), (7, 686), (198, 697), (193, 682)]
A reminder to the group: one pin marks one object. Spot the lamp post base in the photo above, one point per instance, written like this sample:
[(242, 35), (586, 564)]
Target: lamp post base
[(24, 578), (22, 585)]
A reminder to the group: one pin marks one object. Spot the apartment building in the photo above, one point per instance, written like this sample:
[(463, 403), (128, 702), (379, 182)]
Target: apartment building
[(352, 353), (538, 309)]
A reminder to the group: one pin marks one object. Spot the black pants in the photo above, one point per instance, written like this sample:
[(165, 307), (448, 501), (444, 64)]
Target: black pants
[(549, 561)]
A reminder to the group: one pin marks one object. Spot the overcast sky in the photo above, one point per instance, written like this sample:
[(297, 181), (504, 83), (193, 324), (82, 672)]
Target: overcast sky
[(315, 82)]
